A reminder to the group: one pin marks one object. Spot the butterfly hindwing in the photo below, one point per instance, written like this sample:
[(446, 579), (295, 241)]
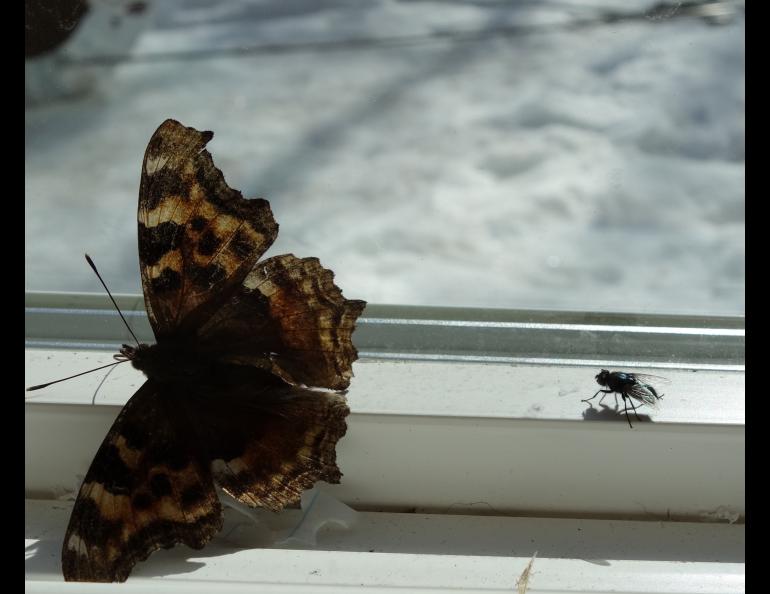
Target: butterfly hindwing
[(148, 487), (290, 308), (268, 441), (198, 237)]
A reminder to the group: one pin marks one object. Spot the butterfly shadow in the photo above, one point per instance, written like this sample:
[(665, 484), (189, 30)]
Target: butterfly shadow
[(244, 529), (42, 553), (43, 557), (608, 413)]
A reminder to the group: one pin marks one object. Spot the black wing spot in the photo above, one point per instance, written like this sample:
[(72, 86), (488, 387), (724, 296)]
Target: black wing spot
[(198, 223), (110, 471), (207, 276), (155, 242), (160, 485), (168, 280), (193, 496), (241, 245), (165, 183), (142, 500), (134, 434), (99, 529), (208, 243)]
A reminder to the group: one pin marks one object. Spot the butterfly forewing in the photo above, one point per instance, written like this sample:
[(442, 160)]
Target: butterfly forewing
[(148, 487), (198, 238)]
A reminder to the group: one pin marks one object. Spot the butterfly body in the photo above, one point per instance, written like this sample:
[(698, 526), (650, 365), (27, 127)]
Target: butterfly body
[(245, 381), (182, 364), (167, 363)]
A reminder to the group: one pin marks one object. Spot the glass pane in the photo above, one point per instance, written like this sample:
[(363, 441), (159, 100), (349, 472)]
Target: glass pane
[(567, 155)]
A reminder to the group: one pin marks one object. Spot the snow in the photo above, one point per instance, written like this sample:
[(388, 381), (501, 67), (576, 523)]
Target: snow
[(479, 154)]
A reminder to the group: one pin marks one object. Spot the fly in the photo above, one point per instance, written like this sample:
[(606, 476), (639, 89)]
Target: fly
[(631, 386)]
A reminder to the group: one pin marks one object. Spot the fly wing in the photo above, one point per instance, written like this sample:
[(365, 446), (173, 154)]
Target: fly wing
[(644, 393), (646, 378)]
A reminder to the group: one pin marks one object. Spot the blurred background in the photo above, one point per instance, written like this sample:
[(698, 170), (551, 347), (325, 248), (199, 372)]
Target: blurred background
[(533, 154)]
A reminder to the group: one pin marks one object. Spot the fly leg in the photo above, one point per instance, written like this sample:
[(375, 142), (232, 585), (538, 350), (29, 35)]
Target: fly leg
[(627, 399), (625, 410), (602, 398)]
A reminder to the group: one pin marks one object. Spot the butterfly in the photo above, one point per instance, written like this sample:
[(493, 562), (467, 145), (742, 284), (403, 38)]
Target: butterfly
[(245, 383)]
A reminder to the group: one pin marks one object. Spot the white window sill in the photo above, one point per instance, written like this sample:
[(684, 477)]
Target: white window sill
[(386, 552), (448, 433)]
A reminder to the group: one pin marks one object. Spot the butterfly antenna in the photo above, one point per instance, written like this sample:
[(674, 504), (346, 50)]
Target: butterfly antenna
[(99, 276), (76, 375)]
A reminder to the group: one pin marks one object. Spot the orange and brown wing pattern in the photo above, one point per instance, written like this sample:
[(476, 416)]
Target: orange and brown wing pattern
[(198, 237), (269, 441), (148, 487), (289, 317), (227, 401)]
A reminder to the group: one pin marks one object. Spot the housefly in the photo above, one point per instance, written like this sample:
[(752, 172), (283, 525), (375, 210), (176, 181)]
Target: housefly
[(631, 386)]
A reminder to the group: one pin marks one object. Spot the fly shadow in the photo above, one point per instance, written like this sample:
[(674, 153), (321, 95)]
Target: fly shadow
[(608, 413)]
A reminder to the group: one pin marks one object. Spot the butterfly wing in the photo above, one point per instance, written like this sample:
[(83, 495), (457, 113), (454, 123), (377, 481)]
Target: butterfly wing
[(290, 310), (281, 322), (199, 243), (198, 237), (267, 440), (149, 487)]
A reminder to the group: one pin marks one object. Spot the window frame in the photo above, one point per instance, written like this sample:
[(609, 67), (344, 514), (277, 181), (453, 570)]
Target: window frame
[(464, 412)]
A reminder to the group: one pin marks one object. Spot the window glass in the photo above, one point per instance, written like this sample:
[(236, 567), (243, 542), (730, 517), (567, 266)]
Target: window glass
[(567, 155)]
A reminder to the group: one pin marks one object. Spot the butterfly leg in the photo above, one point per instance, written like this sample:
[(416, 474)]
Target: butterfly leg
[(597, 393)]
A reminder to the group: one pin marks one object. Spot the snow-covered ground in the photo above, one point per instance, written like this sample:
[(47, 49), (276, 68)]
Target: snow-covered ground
[(487, 153)]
